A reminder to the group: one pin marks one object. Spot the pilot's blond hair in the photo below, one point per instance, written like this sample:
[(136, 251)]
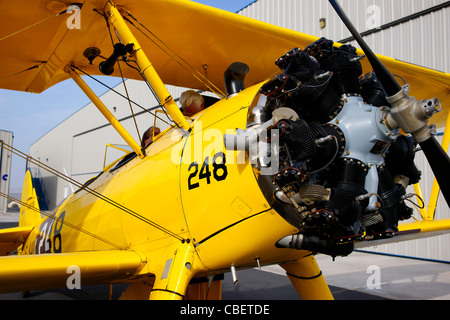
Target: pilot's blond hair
[(192, 102)]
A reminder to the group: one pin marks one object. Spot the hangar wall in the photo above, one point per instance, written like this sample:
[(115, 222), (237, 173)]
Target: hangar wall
[(414, 31)]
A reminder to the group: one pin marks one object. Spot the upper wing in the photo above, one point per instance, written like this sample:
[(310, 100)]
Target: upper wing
[(200, 35), (208, 40), (47, 271)]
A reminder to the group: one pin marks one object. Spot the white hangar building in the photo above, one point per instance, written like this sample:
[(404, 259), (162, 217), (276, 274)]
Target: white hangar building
[(415, 31)]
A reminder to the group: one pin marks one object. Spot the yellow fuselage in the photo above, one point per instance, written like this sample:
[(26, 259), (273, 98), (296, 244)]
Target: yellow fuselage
[(183, 185)]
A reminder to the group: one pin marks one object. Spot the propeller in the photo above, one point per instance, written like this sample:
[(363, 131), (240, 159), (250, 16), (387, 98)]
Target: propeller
[(407, 113)]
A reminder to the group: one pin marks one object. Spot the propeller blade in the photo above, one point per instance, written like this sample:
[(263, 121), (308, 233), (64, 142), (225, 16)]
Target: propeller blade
[(436, 156), (439, 162), (390, 85)]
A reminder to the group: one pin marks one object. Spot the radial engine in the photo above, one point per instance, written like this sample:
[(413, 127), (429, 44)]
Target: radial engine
[(341, 170)]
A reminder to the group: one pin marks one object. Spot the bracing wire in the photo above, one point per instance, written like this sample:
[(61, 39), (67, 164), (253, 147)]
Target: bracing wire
[(115, 91), (91, 191), (125, 86), (175, 56), (129, 103), (142, 75)]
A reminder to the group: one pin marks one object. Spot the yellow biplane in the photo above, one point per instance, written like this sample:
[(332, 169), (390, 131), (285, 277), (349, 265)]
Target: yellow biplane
[(312, 155)]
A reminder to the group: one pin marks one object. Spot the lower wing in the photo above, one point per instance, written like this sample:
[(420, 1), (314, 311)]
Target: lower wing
[(411, 231), (47, 271)]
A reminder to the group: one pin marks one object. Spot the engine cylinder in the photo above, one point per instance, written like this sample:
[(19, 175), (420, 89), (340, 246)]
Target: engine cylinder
[(348, 183), (372, 91), (342, 61)]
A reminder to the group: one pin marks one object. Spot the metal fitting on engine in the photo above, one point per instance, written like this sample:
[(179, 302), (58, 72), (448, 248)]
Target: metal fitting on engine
[(412, 115)]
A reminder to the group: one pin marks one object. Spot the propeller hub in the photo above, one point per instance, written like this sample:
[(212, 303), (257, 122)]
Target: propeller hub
[(412, 115)]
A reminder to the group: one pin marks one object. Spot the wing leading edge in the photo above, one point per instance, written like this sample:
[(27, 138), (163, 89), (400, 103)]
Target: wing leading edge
[(47, 271)]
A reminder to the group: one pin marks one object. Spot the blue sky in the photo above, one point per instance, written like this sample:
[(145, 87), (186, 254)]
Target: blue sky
[(29, 116), (229, 5)]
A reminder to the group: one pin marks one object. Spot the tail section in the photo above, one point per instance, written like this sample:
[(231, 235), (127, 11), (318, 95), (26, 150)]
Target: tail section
[(29, 213)]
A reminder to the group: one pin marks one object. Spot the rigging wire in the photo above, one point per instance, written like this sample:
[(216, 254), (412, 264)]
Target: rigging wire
[(115, 91), (112, 42), (175, 56), (142, 75), (91, 191), (123, 82), (129, 103), (163, 108), (68, 224), (140, 72)]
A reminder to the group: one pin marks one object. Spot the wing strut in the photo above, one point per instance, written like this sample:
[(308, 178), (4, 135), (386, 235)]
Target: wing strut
[(104, 110), (147, 69)]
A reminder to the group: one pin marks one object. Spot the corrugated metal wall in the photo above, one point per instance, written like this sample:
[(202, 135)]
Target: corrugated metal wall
[(423, 40)]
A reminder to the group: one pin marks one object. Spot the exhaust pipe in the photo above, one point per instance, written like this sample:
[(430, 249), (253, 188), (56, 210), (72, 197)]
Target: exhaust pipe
[(316, 244), (234, 78)]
